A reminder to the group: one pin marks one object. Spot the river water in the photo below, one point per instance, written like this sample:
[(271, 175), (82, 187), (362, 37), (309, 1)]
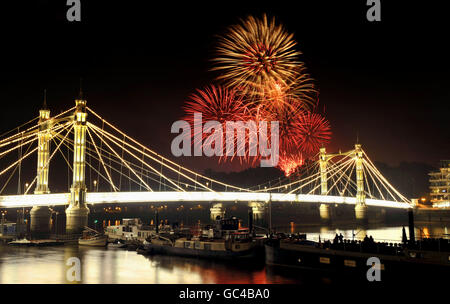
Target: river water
[(110, 266)]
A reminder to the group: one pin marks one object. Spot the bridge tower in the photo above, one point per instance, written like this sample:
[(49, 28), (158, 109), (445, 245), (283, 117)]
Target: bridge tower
[(77, 212), (40, 215), (217, 210), (324, 209), (361, 207)]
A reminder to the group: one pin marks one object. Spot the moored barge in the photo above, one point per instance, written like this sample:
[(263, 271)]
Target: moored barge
[(225, 240), (430, 256)]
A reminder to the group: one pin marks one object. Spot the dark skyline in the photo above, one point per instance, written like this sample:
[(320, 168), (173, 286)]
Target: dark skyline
[(385, 82)]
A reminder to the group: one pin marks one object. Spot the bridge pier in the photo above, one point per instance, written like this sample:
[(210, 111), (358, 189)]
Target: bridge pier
[(40, 221), (40, 215), (361, 213), (217, 210), (77, 212), (325, 213), (76, 218)]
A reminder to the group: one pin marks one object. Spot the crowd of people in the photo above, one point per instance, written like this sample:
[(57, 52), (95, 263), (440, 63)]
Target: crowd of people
[(366, 245)]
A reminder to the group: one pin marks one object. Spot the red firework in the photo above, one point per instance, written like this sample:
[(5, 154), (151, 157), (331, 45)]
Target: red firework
[(288, 118), (290, 163), (301, 132), (313, 130), (217, 103)]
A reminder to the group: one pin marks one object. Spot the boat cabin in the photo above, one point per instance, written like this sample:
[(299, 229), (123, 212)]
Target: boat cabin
[(129, 230), (228, 228)]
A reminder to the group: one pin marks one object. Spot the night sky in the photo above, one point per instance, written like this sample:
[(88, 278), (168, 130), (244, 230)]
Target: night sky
[(385, 81)]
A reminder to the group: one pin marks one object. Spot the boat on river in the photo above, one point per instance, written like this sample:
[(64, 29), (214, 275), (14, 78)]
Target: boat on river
[(413, 258), (224, 240), (36, 243), (92, 237), (21, 242)]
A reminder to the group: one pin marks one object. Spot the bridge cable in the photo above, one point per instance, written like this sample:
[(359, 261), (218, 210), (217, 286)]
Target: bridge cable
[(120, 178), (113, 140), (99, 173), (167, 160), (129, 168), (118, 162), (12, 174), (101, 160), (101, 146)]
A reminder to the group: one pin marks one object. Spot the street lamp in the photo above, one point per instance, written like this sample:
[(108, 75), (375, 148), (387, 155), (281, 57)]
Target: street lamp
[(95, 184), (56, 223), (3, 223)]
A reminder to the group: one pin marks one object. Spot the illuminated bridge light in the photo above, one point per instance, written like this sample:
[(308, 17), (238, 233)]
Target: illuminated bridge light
[(15, 201)]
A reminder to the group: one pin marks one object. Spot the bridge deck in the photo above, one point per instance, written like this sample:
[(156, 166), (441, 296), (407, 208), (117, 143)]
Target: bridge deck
[(30, 200)]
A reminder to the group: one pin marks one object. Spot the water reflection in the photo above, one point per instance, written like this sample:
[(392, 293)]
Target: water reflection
[(111, 266)]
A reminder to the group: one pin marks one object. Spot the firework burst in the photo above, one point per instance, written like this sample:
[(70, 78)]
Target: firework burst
[(223, 105), (314, 132), (255, 53), (292, 94), (289, 163), (264, 81), (216, 103), (288, 118), (300, 131)]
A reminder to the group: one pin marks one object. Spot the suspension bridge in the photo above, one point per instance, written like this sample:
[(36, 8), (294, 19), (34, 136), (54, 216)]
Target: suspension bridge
[(108, 166)]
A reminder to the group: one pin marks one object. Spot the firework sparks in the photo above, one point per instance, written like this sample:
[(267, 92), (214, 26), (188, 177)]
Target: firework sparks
[(223, 105), (264, 81), (290, 163), (216, 103), (288, 118), (293, 94), (314, 131), (257, 52), (300, 131)]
